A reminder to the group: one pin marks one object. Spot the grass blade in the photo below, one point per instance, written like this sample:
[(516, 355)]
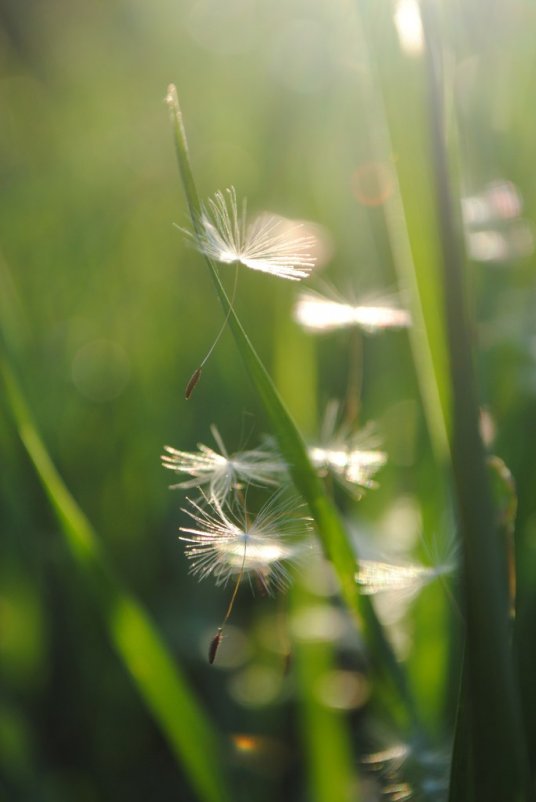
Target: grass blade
[(159, 681), (392, 92)]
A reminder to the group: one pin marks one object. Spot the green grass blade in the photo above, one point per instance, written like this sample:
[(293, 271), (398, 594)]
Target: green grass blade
[(331, 531), (392, 91), (184, 724)]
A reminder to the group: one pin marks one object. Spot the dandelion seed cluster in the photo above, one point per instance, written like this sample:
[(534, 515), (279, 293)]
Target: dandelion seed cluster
[(225, 540), (222, 472)]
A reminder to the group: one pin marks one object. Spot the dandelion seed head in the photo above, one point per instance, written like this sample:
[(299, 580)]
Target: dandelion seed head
[(395, 580), (226, 542), (260, 551), (348, 455), (375, 576), (221, 471), (355, 466), (362, 465), (319, 314), (269, 243)]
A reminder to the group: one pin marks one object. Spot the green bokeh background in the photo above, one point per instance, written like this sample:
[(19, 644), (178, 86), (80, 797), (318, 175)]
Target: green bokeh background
[(106, 313)]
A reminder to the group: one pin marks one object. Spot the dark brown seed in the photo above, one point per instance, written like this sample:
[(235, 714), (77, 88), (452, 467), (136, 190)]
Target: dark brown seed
[(196, 375), (214, 644)]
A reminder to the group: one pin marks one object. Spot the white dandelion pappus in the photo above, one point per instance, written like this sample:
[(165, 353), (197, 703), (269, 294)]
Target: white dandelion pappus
[(227, 542), (396, 578), (394, 586), (269, 243), (319, 314), (350, 456), (223, 472), (375, 576), (356, 465)]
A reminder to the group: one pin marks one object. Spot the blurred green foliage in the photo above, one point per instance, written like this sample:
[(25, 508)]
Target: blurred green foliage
[(106, 312)]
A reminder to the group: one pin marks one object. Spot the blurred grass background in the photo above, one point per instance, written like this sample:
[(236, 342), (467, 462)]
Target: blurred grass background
[(106, 313)]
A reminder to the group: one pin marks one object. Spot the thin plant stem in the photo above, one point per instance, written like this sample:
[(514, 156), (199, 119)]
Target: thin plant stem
[(196, 375)]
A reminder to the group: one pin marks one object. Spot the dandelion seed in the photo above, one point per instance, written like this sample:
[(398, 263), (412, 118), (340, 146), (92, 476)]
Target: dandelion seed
[(349, 456), (268, 243), (223, 472), (375, 576), (395, 580), (227, 543), (214, 645), (356, 466), (319, 314), (190, 387)]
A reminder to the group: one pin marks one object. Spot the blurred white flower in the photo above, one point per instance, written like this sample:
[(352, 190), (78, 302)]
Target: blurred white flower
[(375, 576), (349, 455), (395, 578), (228, 542), (317, 313), (357, 465), (223, 472), (268, 243)]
